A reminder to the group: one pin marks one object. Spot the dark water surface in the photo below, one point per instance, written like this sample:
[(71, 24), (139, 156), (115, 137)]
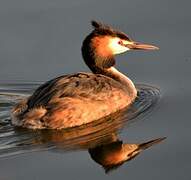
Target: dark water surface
[(41, 39)]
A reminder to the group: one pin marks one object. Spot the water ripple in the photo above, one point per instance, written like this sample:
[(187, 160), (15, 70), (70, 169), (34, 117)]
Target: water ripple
[(15, 141)]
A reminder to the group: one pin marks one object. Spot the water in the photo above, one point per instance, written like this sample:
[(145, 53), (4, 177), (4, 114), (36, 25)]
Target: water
[(15, 141), (41, 39)]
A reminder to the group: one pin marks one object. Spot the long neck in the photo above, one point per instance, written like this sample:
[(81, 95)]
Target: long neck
[(100, 65), (111, 72), (121, 78)]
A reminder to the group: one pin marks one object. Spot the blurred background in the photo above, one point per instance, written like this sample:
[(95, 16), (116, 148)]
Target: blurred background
[(41, 39)]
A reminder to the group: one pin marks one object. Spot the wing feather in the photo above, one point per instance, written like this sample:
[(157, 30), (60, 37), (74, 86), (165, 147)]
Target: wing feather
[(78, 85)]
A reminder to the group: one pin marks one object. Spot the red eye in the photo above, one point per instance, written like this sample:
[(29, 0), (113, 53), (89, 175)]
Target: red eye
[(120, 42)]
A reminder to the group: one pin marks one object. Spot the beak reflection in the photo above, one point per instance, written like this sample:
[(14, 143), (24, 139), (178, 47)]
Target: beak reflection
[(114, 154)]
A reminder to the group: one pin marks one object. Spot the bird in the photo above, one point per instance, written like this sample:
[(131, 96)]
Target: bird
[(76, 99)]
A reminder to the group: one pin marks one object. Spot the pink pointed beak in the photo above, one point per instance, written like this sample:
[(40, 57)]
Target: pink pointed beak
[(141, 46)]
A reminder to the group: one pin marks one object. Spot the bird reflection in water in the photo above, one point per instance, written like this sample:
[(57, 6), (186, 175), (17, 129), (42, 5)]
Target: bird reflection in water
[(114, 154), (100, 139)]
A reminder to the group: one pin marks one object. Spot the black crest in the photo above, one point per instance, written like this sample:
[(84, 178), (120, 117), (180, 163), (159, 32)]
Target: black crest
[(96, 24), (102, 29)]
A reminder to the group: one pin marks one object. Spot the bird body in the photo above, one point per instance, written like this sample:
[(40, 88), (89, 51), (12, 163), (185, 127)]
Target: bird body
[(73, 100)]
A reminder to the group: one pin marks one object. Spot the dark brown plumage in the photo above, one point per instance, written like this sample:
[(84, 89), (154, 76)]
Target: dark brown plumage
[(70, 95)]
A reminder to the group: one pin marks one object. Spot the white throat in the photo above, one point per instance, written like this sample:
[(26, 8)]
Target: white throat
[(123, 80)]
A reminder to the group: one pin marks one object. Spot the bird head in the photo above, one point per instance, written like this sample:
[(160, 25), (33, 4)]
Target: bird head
[(104, 42), (108, 41)]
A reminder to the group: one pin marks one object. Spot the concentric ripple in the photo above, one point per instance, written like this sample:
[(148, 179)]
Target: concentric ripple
[(15, 141)]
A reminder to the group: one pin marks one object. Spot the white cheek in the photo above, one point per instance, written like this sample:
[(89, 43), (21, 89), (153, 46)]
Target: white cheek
[(115, 47)]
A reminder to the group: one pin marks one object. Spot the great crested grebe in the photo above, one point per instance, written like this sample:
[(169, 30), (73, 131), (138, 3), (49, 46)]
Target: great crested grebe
[(76, 99)]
